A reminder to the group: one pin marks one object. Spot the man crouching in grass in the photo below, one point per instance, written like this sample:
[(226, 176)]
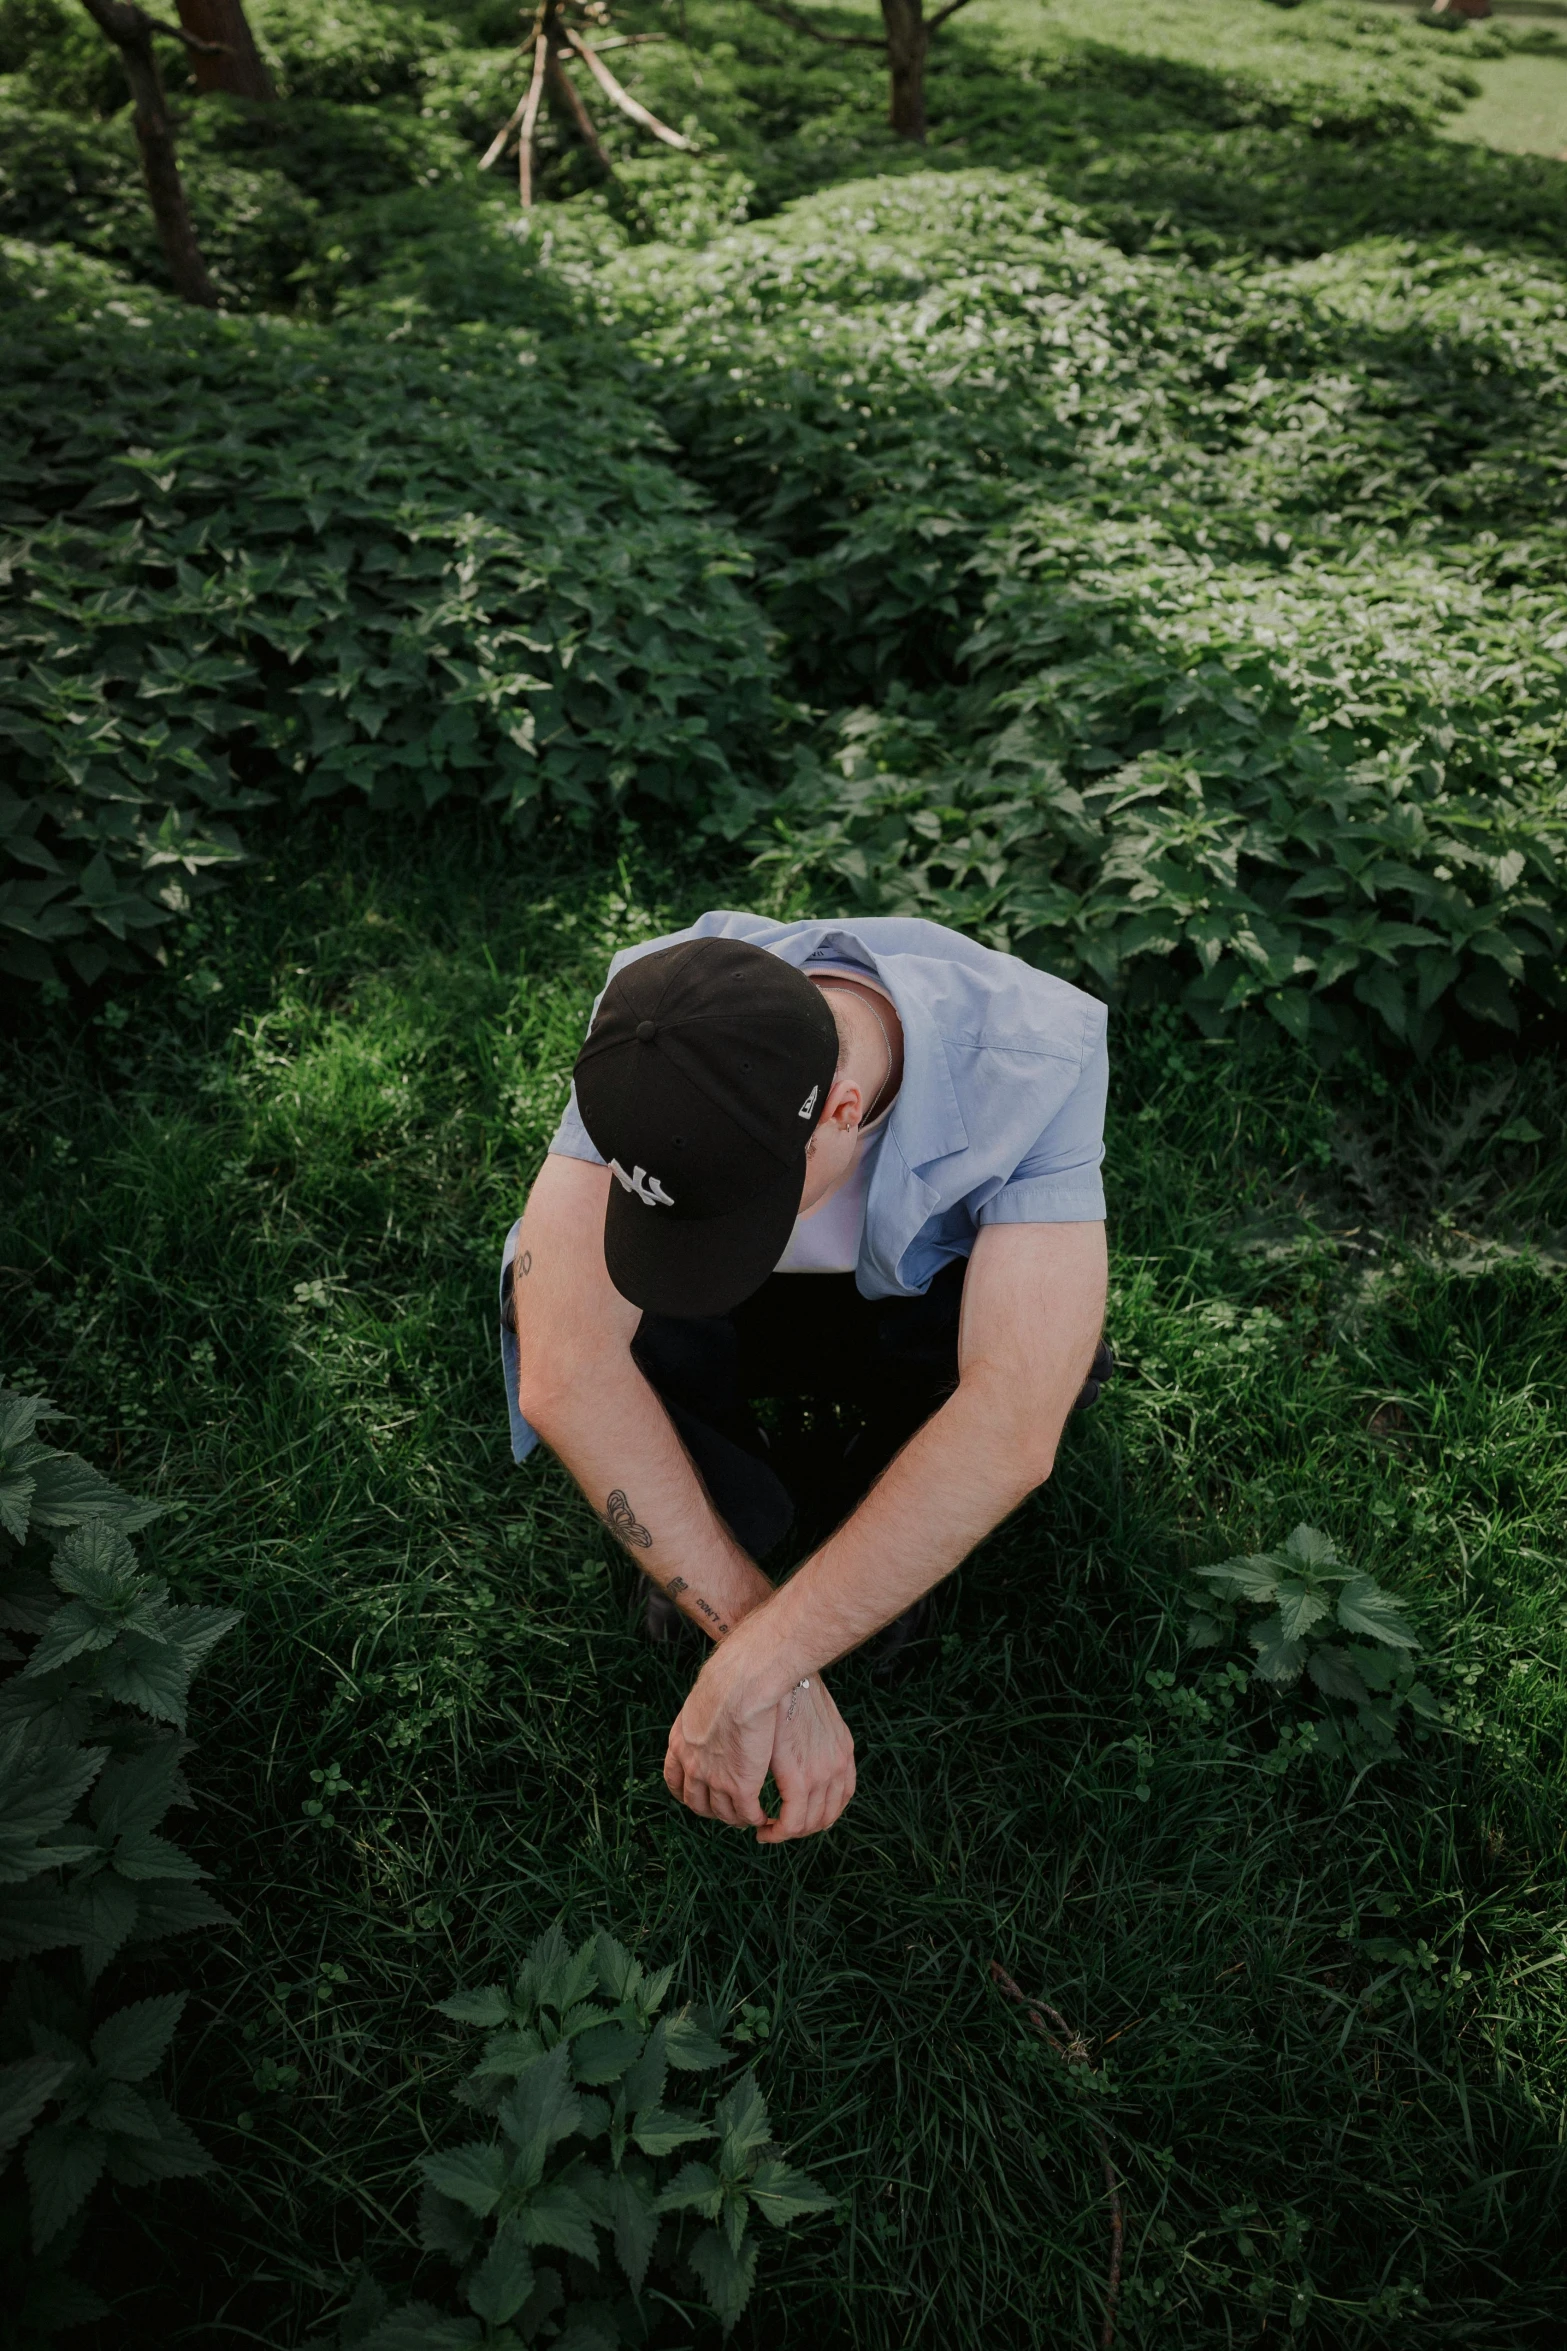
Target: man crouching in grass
[(854, 1162)]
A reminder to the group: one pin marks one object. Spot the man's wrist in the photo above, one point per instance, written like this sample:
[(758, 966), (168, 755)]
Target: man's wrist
[(755, 1670)]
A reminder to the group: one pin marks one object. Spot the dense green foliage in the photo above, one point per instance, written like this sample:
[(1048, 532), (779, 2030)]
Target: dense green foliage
[(1246, 594), (1193, 630), (92, 1721), (567, 2026), (257, 556), (1131, 528), (1311, 1613)]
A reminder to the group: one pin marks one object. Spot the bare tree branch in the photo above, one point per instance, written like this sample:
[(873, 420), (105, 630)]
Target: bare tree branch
[(498, 143), (177, 32), (567, 92), (530, 116), (803, 24), (623, 98), (942, 14)]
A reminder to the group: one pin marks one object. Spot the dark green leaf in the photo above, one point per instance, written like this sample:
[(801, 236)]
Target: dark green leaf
[(1299, 1609), (129, 2045), (604, 2053), (63, 2162), (473, 2176), (1334, 1672), (445, 2226), (25, 2090), (488, 2007), (695, 2187), (658, 2130), (558, 2215), (727, 2276), (504, 2278), (1364, 1608), (781, 2194), (690, 2043), (633, 2217), (1278, 1659)]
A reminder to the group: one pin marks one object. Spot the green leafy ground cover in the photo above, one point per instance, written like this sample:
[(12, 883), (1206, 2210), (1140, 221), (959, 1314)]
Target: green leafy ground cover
[(1205, 607), (93, 1710), (1131, 528)]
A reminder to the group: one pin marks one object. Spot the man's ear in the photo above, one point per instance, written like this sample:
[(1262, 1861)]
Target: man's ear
[(843, 1094)]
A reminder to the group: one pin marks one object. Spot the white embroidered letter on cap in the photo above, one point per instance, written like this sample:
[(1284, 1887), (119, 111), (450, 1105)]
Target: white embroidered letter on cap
[(809, 1104), (647, 1188)]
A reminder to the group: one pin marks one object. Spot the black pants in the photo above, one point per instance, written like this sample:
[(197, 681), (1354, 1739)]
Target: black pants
[(807, 1339)]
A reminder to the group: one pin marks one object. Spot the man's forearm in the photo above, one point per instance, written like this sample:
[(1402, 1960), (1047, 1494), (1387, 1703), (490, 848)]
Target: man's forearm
[(620, 1445), (956, 1479), (1033, 1307)]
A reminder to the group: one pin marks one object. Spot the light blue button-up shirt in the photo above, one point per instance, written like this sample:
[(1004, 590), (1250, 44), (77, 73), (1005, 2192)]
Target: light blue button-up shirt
[(999, 1119)]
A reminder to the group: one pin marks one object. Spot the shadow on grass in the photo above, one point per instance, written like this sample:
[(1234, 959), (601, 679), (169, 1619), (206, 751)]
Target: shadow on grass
[(1164, 155), (1162, 152)]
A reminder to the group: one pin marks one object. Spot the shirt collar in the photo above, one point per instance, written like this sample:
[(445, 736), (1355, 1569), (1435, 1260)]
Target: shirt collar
[(926, 1122)]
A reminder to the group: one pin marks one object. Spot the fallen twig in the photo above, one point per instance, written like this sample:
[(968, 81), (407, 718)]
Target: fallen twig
[(623, 98), (1074, 2051)]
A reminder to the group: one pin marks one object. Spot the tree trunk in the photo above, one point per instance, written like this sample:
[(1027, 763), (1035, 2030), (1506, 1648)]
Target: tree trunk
[(908, 39), (131, 32), (234, 63)]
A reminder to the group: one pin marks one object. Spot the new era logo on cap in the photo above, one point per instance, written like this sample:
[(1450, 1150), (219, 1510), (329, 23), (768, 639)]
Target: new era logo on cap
[(809, 1104)]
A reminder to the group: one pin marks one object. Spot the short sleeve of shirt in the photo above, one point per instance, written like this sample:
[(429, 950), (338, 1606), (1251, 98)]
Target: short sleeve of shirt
[(1058, 1179), (571, 1139)]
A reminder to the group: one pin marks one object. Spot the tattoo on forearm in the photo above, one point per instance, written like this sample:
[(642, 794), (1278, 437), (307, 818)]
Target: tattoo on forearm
[(525, 1261), (793, 1707), (623, 1523), (677, 1584)]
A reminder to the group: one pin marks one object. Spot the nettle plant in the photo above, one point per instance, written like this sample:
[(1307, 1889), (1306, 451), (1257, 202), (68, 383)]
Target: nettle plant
[(93, 1697), (1304, 1612), (578, 2056)]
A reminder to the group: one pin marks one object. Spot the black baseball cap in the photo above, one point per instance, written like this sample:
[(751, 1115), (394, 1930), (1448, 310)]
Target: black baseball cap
[(701, 1082)]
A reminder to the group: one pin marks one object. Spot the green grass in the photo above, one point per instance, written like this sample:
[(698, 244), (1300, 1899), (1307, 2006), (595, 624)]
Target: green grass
[(251, 1215), (1521, 109), (251, 1230)]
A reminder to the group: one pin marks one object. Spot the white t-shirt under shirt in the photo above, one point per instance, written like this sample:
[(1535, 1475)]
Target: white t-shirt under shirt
[(827, 1238)]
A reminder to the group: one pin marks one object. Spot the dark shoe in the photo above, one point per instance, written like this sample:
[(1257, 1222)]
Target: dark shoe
[(893, 1654), (1101, 1369)]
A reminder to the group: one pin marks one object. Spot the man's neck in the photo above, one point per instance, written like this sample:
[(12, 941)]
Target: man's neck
[(875, 1041)]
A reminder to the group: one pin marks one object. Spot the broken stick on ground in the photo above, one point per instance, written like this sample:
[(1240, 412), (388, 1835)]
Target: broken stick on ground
[(1073, 2051)]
